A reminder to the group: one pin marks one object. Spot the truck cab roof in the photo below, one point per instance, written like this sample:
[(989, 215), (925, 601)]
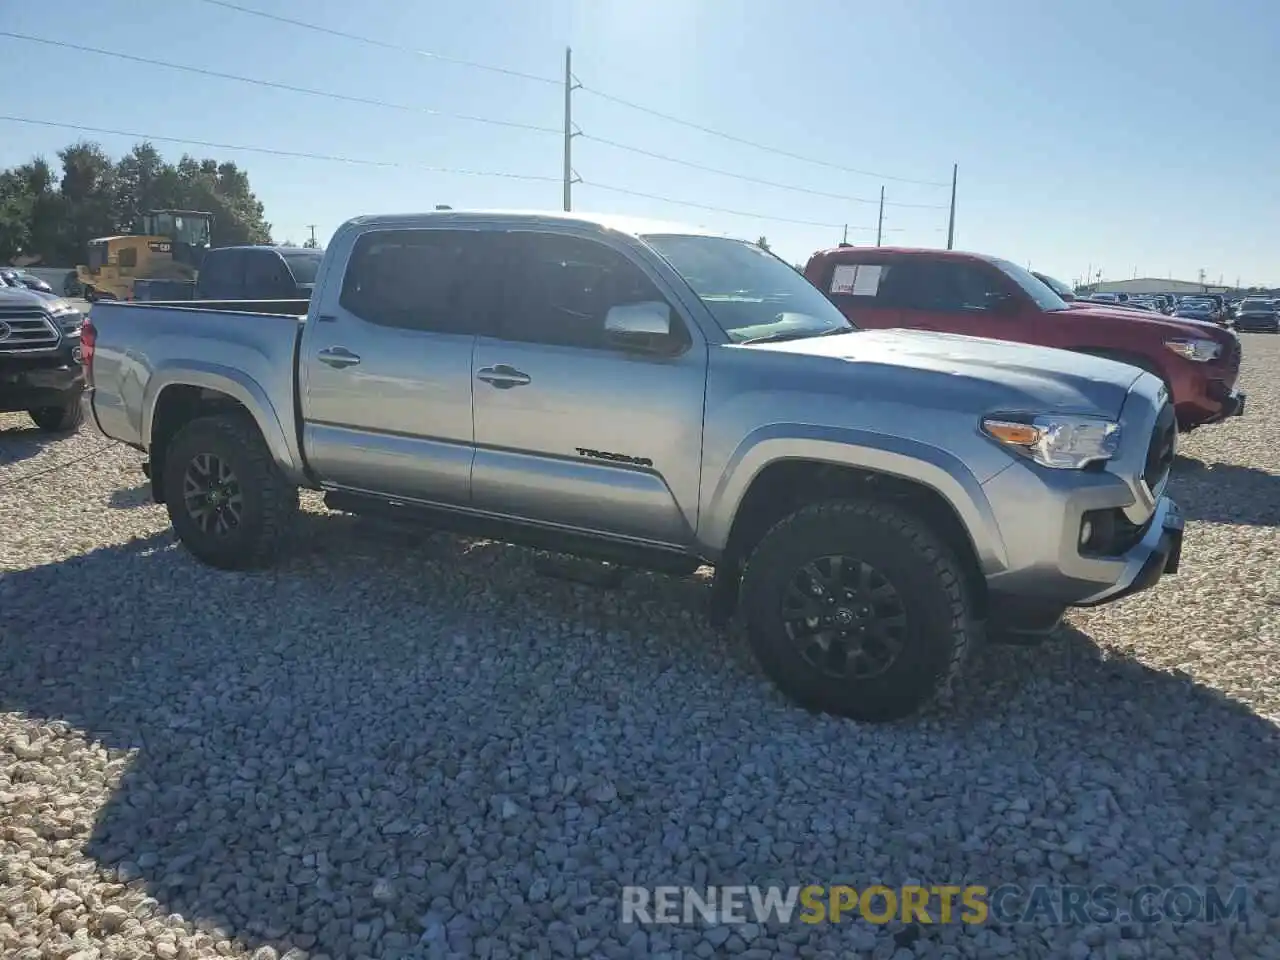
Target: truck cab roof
[(634, 226)]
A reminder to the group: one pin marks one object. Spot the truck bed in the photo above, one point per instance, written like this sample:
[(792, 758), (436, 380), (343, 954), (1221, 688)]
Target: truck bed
[(245, 349)]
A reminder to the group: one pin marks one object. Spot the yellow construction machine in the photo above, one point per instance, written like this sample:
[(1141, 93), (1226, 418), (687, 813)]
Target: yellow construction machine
[(169, 245)]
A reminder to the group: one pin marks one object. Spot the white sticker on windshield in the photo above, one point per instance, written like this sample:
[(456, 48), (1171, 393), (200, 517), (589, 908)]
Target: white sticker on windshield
[(856, 279)]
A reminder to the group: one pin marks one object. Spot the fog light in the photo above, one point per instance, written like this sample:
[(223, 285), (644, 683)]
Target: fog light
[(1086, 532)]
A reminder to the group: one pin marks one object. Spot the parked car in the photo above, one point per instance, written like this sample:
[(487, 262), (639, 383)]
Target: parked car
[(661, 397), (954, 292), (20, 278), (248, 273), (1258, 315), (1206, 311), (40, 356)]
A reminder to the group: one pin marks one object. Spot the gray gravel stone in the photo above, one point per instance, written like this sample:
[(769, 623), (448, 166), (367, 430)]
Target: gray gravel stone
[(398, 744)]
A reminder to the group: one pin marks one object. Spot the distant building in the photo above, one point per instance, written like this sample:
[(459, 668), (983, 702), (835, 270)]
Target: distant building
[(1155, 285)]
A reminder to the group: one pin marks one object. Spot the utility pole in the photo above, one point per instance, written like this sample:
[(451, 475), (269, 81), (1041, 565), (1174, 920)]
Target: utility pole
[(844, 239), (312, 242), (880, 222), (951, 222), (570, 85)]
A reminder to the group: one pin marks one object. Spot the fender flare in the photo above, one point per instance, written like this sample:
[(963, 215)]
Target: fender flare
[(910, 460), (235, 384)]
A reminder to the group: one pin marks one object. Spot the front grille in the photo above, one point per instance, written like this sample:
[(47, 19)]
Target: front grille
[(26, 331), (1163, 447)]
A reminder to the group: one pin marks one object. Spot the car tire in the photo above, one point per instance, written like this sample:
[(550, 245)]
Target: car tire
[(64, 419), (229, 503), (897, 585)]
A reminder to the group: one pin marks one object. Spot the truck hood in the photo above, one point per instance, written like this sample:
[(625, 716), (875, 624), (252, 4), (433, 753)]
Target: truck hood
[(1015, 377), (1174, 326), (21, 297)]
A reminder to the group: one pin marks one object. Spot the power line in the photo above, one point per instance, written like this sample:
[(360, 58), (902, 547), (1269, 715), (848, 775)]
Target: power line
[(751, 143), (714, 209), (270, 151), (748, 179), (382, 44), (274, 85), (387, 45)]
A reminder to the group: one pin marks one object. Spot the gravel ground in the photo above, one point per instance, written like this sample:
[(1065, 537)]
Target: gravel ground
[(401, 744)]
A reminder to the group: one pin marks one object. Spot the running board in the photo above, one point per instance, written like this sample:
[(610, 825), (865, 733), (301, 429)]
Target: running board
[(514, 532)]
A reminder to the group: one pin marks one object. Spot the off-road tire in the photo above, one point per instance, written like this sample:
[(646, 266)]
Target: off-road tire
[(64, 419), (270, 501), (925, 574)]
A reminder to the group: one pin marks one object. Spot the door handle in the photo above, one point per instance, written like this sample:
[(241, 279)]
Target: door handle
[(338, 357), (503, 376)]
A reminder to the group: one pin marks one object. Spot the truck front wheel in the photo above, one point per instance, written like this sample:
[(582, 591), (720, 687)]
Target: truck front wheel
[(228, 501), (857, 609), (63, 419)]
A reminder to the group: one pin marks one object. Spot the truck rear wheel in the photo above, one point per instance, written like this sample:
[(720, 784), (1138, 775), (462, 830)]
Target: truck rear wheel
[(228, 501), (63, 419), (857, 609)]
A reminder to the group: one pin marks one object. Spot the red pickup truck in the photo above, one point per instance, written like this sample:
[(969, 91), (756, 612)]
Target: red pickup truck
[(984, 296)]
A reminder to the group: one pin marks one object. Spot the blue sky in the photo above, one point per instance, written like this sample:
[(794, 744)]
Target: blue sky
[(1140, 135)]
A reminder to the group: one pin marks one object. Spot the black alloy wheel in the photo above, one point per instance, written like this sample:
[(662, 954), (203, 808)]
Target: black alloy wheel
[(211, 495), (845, 617)]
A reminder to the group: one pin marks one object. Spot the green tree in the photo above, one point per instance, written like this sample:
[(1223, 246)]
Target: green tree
[(88, 195), (50, 216)]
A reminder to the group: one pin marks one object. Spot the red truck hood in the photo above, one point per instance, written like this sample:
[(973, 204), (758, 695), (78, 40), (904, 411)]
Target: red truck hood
[(1173, 326)]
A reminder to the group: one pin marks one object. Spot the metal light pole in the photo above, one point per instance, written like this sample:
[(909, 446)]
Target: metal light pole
[(569, 87), (880, 222), (951, 222)]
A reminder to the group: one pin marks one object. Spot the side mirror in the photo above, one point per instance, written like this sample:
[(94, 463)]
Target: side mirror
[(644, 326)]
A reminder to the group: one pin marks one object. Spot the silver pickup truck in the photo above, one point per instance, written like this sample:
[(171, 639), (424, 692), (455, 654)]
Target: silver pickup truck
[(660, 397)]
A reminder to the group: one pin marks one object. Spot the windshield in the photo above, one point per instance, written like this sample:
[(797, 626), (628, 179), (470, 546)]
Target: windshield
[(1057, 286), (1256, 305), (749, 291), (303, 266), (1044, 296), (180, 228)]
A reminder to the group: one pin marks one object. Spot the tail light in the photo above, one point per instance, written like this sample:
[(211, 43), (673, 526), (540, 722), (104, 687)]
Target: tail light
[(88, 337)]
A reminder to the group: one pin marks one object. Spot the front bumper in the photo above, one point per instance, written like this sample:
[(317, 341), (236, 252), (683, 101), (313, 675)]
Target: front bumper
[(1157, 553), (27, 383)]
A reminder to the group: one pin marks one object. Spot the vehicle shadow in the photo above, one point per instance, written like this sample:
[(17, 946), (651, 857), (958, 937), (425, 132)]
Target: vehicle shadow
[(130, 498), (1225, 492), (272, 797), (20, 440)]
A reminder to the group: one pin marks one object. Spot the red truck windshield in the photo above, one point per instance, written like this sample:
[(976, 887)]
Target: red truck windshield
[(1041, 293)]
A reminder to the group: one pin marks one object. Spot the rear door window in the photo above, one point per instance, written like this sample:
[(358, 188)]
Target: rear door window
[(860, 284), (429, 280)]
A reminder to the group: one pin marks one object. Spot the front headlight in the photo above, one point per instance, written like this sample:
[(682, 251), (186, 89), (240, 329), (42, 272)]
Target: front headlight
[(67, 317), (1201, 351), (1057, 441)]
